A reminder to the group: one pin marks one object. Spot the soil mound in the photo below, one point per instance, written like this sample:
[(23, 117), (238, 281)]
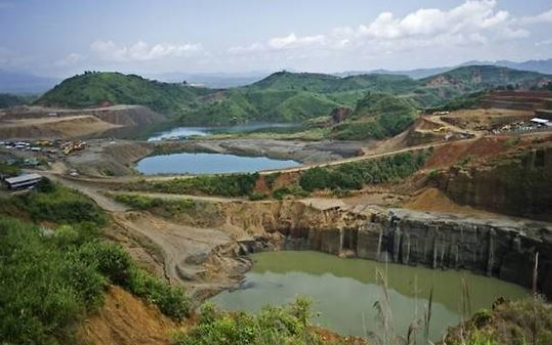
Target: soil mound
[(126, 320), (64, 127), (433, 200)]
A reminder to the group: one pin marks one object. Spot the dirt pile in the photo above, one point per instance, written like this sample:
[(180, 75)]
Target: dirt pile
[(109, 158), (63, 127), (433, 200), (455, 152), (126, 320)]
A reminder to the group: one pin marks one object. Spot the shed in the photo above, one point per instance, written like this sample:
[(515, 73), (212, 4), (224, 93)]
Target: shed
[(23, 181), (539, 121)]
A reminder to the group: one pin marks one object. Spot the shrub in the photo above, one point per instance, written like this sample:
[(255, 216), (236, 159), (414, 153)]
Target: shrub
[(171, 301), (351, 176), (272, 325), (61, 205), (45, 288), (257, 196)]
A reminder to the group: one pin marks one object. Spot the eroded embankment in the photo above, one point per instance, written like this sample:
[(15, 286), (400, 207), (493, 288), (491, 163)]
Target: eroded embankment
[(517, 185)]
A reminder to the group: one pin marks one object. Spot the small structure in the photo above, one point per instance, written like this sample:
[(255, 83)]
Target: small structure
[(23, 181), (539, 121)]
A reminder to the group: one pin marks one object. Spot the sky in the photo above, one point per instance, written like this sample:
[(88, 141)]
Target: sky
[(63, 37)]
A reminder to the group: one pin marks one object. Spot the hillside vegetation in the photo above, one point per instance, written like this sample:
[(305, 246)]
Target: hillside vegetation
[(54, 278), (377, 116), (94, 88), (281, 97), (8, 100)]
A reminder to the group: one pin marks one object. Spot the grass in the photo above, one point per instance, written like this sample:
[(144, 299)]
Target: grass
[(187, 211)]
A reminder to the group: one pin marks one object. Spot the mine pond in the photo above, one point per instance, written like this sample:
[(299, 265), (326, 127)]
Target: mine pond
[(178, 133), (345, 292), (208, 163)]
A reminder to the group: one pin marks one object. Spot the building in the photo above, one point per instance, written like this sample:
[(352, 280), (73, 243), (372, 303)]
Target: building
[(539, 121), (23, 181)]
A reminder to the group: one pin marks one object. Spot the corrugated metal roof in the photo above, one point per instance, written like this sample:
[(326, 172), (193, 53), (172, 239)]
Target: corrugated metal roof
[(23, 178)]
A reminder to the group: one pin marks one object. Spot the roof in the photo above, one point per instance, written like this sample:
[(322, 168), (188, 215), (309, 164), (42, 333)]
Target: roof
[(23, 178), (539, 120)]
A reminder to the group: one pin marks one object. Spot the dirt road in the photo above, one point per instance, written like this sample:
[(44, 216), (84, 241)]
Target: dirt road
[(185, 250)]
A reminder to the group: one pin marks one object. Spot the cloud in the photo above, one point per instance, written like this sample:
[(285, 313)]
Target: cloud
[(141, 51), (543, 43), (70, 60), (292, 41), (471, 19), (472, 23), (255, 47), (545, 17)]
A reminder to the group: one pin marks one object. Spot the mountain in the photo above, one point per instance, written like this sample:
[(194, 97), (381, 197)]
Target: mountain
[(280, 97), (414, 74), (475, 78), (326, 83), (540, 66), (92, 89), (24, 83)]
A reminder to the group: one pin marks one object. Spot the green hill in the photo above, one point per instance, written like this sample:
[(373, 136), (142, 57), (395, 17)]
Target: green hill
[(376, 116), (281, 97), (474, 78), (94, 88)]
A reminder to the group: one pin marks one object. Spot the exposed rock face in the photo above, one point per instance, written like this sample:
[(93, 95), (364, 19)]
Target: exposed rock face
[(521, 186), (501, 247)]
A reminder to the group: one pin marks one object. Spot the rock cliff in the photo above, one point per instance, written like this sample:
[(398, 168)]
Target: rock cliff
[(503, 248)]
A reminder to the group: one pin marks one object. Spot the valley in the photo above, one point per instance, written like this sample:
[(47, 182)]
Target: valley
[(445, 173)]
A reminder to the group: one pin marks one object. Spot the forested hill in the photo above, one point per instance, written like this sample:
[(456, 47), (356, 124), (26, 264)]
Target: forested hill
[(92, 89), (281, 97), (475, 78)]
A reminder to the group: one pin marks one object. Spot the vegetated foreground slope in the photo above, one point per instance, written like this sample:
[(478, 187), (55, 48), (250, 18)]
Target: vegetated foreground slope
[(283, 96)]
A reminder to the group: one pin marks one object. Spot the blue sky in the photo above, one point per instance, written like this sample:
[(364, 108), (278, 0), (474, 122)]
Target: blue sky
[(64, 37)]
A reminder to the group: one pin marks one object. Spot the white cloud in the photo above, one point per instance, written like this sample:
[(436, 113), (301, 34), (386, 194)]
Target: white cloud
[(293, 41), (141, 51), (255, 47), (472, 23), (543, 43), (545, 17), (70, 60), (472, 17)]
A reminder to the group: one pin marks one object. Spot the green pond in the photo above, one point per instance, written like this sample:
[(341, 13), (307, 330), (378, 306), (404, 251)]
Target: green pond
[(344, 291)]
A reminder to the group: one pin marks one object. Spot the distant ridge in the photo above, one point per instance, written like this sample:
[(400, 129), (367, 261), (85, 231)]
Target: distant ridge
[(280, 97), (540, 66), (24, 83)]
